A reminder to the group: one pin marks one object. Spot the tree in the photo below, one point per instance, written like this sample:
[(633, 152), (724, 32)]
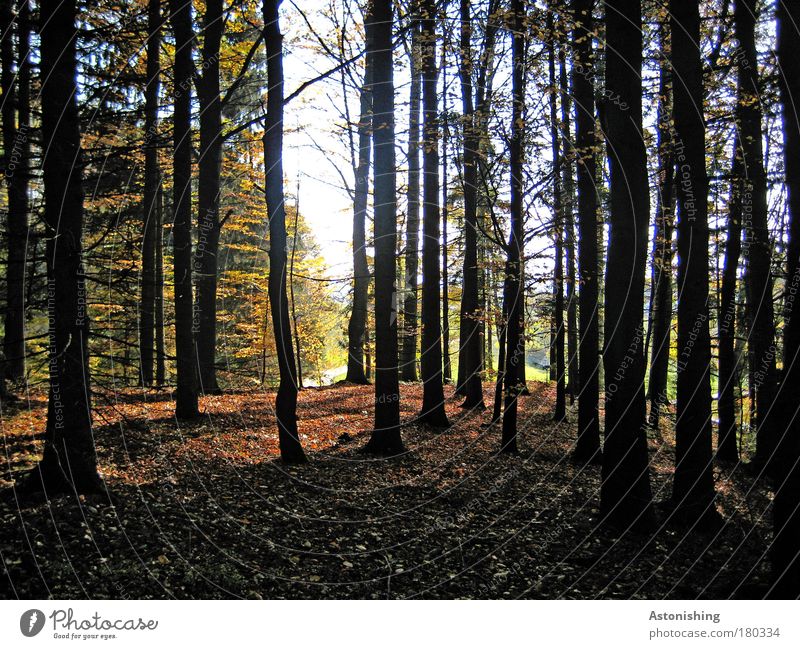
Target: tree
[(151, 210), (693, 486), (588, 443), (753, 197), (513, 294), (357, 326), (433, 411), (408, 352), (385, 439), (286, 397), (786, 508), (208, 196), (186, 393), (625, 496), (16, 143), (69, 462), (661, 291)]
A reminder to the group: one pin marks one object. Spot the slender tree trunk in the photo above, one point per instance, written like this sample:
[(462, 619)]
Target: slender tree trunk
[(758, 249), (208, 193), (693, 487), (786, 508), (588, 443), (512, 299), (568, 207), (295, 320), (69, 461), (385, 438), (16, 143), (625, 496), (286, 398), (433, 411), (560, 412), (152, 182), (357, 326), (661, 286), (469, 366), (408, 353), (186, 393), (158, 303), (728, 362), (448, 374)]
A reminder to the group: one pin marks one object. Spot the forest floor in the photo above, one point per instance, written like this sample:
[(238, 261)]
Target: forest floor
[(207, 510)]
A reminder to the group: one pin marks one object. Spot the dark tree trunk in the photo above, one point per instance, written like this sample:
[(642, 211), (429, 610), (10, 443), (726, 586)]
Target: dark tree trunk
[(69, 462), (758, 249), (408, 352), (152, 181), (661, 286), (357, 326), (16, 143), (208, 193), (385, 439), (186, 393), (693, 487), (433, 411), (513, 295), (588, 443), (786, 508), (568, 187), (286, 398), (158, 302), (625, 496), (560, 411), (727, 448), (474, 108), (448, 374)]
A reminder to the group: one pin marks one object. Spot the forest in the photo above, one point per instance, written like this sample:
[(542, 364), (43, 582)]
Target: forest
[(387, 299)]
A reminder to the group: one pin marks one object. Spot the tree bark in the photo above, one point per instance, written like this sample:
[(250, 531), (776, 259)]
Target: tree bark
[(786, 508), (150, 208), (69, 462), (408, 352), (433, 411), (693, 487), (625, 496), (757, 246), (512, 299), (286, 398), (357, 325), (208, 194), (588, 443), (16, 143), (385, 439), (186, 393), (448, 374)]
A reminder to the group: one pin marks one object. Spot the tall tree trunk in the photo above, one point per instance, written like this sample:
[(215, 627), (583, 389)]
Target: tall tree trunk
[(625, 496), (433, 411), (588, 443), (568, 207), (208, 194), (16, 143), (786, 509), (186, 393), (286, 398), (727, 448), (152, 181), (448, 374), (158, 300), (408, 353), (513, 295), (693, 487), (560, 411), (69, 461), (758, 249), (357, 325), (385, 439), (474, 108), (661, 286)]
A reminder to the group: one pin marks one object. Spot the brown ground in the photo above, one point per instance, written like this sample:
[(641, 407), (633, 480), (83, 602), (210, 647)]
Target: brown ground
[(207, 510)]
